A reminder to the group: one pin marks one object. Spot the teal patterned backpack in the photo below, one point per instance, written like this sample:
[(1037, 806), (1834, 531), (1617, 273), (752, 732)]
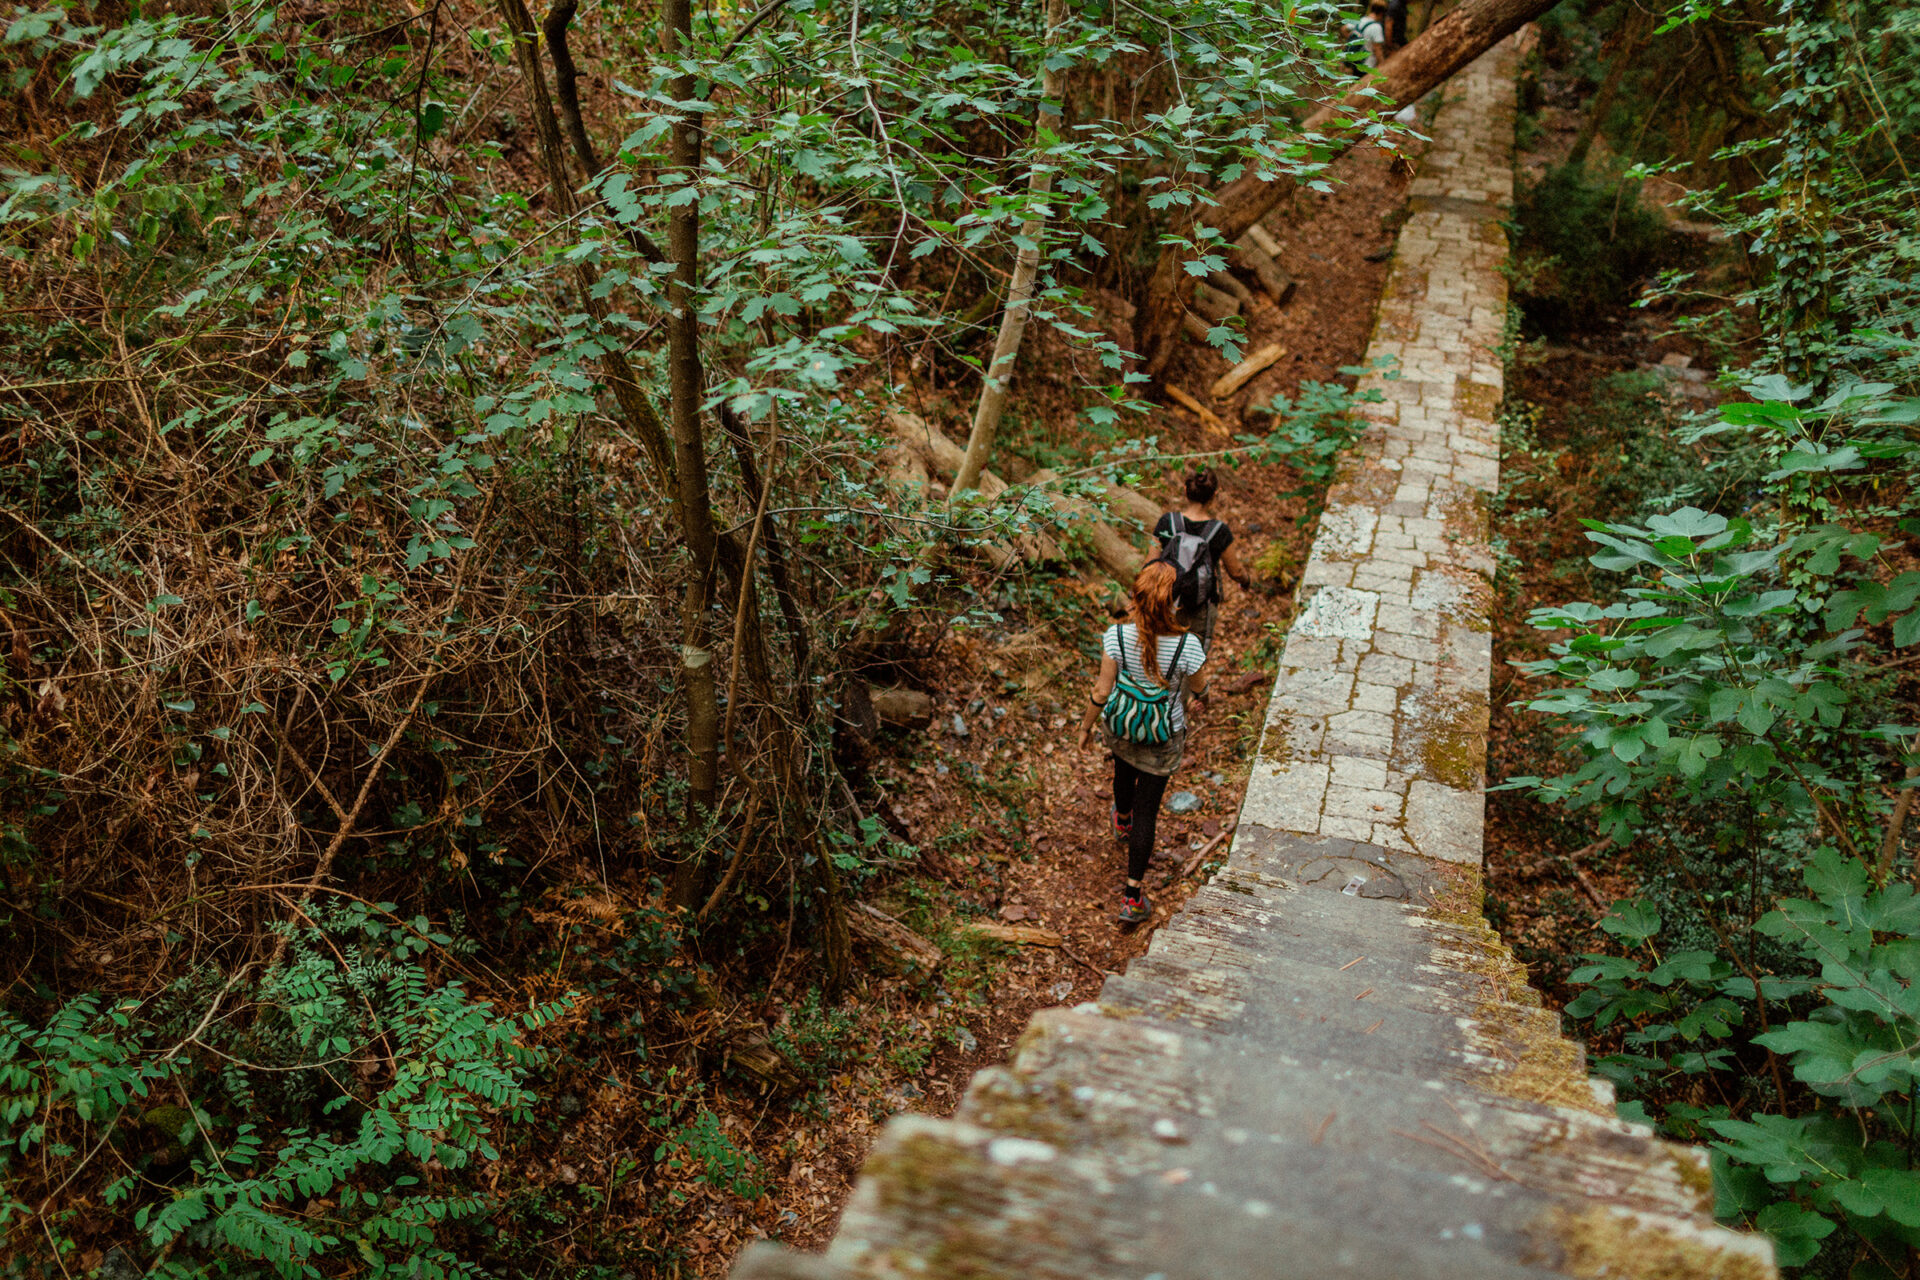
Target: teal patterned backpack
[(1137, 711)]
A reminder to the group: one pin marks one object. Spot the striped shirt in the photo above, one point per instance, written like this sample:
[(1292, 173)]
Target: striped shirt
[(1122, 644)]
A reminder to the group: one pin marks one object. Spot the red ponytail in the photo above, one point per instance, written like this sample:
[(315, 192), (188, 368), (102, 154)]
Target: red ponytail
[(1150, 606)]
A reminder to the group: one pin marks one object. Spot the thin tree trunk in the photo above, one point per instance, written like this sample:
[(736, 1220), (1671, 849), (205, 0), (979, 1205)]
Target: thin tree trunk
[(1631, 38), (634, 405), (1026, 270), (687, 388), (1403, 79)]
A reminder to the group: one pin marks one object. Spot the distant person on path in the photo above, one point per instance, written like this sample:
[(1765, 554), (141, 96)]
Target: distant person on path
[(1396, 25), (1199, 546), (1373, 32), (1145, 663)]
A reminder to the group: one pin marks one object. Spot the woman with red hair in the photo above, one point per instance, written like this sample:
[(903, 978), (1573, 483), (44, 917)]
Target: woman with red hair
[(1145, 662)]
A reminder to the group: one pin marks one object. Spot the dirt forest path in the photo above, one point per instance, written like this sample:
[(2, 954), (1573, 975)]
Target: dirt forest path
[(1020, 702)]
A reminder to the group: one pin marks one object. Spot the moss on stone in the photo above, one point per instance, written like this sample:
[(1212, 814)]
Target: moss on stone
[(1597, 1242), (1477, 400), (1453, 741)]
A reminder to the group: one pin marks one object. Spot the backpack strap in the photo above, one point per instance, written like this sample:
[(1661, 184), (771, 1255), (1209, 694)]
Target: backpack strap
[(1119, 631), (1176, 523), (1174, 664)]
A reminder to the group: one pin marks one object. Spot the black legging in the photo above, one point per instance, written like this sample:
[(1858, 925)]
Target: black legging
[(1138, 794)]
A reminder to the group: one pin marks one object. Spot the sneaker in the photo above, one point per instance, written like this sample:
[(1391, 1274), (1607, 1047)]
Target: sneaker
[(1134, 910), (1122, 824)]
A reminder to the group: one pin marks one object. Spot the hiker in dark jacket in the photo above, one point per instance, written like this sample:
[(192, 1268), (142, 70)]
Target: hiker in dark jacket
[(1197, 519), (1159, 660)]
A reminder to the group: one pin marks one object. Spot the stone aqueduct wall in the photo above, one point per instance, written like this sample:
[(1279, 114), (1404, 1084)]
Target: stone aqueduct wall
[(1327, 1065)]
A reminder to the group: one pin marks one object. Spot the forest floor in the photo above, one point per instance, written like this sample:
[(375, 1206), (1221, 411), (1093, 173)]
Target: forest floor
[(1006, 807)]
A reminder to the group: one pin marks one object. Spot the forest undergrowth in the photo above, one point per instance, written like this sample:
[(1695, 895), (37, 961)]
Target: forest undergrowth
[(460, 586), (1706, 598)]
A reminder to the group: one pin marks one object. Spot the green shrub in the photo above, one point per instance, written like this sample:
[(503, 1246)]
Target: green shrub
[(322, 1116), (1584, 244)]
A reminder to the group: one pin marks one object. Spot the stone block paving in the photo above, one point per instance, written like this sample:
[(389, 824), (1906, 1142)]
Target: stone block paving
[(1377, 727), (1327, 1066)]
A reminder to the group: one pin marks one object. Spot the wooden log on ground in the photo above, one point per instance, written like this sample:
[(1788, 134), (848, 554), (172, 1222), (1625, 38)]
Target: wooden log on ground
[(901, 708), (1208, 418), (1247, 370), (1111, 547), (1227, 282), (1113, 550), (1215, 304), (1134, 506), (1253, 252), (1018, 935), (942, 457), (752, 1050), (893, 946)]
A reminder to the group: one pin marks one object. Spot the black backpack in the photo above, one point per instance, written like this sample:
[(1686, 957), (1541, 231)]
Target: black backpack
[(1192, 559)]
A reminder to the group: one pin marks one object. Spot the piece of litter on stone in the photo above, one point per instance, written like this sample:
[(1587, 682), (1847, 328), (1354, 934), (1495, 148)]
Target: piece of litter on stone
[(1259, 1208), (1182, 802), (1235, 1136), (1061, 990), (1166, 1130), (1352, 886), (1473, 1231), (959, 726), (1012, 1151), (965, 1039), (1174, 1177)]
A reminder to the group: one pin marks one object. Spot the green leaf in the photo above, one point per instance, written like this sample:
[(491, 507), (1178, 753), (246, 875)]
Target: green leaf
[(1632, 921)]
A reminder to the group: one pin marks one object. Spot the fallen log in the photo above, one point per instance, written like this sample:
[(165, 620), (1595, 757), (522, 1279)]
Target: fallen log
[(1015, 934), (895, 948), (1259, 253), (1215, 304), (1226, 282), (1247, 370), (941, 456), (1208, 418), (1113, 550), (752, 1050), (901, 708)]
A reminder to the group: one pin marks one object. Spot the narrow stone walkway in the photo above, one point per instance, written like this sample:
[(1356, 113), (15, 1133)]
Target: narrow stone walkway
[(1327, 1066)]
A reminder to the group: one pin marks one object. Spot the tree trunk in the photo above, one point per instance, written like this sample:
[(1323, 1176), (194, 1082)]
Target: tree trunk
[(686, 385), (1428, 60), (636, 409), (1026, 271), (1631, 38)]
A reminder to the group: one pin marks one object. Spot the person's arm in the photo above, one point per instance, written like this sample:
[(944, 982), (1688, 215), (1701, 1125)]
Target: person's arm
[(1196, 683), (1230, 561), (1109, 672)]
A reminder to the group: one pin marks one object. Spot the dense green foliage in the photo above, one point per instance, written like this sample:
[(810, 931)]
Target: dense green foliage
[(1741, 708), (367, 534)]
